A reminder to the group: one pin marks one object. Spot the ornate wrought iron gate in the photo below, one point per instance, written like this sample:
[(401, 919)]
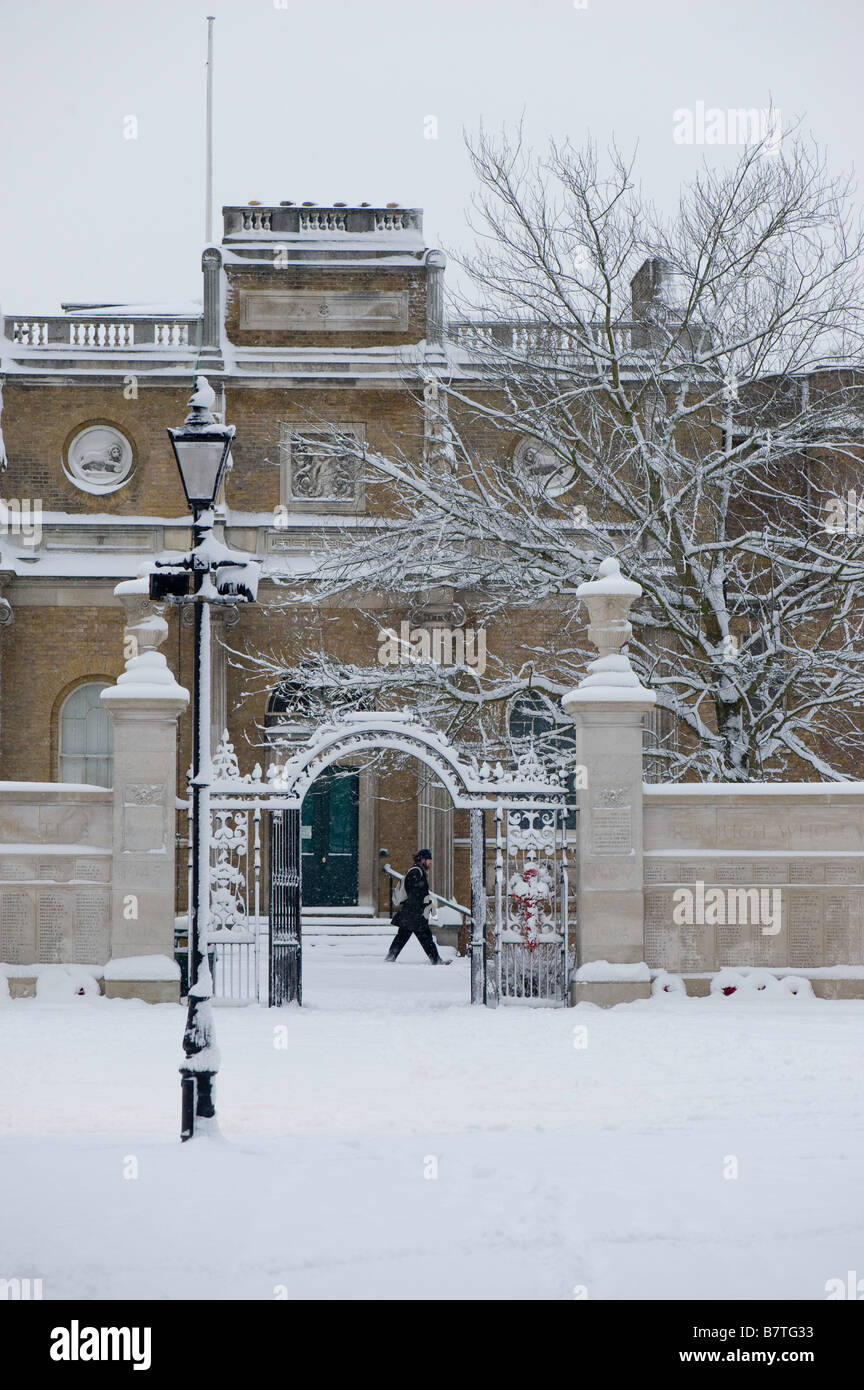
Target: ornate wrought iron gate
[(532, 952), (286, 947), (520, 944), (235, 908)]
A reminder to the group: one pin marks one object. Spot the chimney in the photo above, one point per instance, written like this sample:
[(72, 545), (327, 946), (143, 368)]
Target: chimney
[(657, 285)]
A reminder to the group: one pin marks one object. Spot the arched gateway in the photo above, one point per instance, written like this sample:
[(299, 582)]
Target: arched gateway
[(519, 944)]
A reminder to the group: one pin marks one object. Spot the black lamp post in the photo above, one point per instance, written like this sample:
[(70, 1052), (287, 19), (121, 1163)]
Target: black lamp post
[(201, 449)]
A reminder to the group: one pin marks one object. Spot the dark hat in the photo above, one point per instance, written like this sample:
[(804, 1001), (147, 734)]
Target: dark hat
[(422, 854)]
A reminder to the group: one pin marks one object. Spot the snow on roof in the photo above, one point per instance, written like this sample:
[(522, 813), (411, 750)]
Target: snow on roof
[(82, 565), (411, 351), (75, 564), (49, 518), (345, 243), (184, 308)]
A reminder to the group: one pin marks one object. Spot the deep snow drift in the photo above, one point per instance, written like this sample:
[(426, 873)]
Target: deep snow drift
[(578, 1152)]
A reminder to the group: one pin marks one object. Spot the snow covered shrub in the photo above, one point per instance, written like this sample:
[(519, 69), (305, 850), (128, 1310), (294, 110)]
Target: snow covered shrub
[(727, 982), (63, 982), (664, 983), (797, 984), (761, 982)]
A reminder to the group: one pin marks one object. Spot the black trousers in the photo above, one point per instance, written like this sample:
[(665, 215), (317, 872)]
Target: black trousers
[(423, 933)]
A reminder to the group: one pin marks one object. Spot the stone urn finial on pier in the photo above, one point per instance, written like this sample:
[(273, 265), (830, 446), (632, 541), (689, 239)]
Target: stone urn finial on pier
[(145, 624), (608, 708), (608, 599)]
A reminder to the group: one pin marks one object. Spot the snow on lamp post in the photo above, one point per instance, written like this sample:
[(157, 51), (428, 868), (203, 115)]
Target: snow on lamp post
[(201, 448)]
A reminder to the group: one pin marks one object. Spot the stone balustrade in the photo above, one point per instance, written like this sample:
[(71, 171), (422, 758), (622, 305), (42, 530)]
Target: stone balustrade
[(529, 337), (64, 331), (254, 221)]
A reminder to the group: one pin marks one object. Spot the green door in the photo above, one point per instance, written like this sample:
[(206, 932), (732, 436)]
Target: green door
[(328, 837)]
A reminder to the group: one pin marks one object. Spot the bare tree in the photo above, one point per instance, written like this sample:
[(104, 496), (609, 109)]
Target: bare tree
[(682, 391)]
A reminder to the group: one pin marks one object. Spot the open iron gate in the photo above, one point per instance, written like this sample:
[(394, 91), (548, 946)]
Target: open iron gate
[(255, 942), (521, 944), (286, 945), (526, 955)]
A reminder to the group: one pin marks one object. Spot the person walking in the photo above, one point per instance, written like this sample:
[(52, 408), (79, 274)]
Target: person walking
[(416, 910)]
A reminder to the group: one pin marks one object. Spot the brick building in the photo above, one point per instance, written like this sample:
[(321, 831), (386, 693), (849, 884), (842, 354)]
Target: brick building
[(311, 317)]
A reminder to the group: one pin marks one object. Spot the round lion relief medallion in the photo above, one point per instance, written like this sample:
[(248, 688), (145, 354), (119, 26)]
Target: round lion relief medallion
[(99, 459), (543, 468)]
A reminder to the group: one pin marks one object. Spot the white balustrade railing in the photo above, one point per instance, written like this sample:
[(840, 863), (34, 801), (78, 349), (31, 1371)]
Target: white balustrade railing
[(64, 331), (525, 338), (92, 333), (256, 219), (171, 334), (29, 332), (315, 221), (389, 222)]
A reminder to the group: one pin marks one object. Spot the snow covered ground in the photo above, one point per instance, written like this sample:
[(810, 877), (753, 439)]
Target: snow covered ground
[(563, 1170)]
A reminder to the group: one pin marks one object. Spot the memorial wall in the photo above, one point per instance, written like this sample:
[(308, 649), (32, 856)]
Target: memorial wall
[(55, 873), (760, 875)]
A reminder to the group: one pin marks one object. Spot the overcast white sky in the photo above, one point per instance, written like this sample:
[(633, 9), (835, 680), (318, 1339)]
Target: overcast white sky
[(327, 100)]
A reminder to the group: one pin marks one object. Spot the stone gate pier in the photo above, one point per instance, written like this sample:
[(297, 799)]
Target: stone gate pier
[(87, 873), (607, 708), (144, 704), (694, 878)]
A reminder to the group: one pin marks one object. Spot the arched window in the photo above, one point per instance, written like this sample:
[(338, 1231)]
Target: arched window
[(86, 737), (289, 702), (297, 705), (531, 723)]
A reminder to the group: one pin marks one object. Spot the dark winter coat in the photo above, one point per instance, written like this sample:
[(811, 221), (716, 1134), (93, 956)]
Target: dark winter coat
[(412, 912)]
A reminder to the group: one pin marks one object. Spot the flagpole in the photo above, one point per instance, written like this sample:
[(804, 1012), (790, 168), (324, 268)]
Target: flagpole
[(208, 194)]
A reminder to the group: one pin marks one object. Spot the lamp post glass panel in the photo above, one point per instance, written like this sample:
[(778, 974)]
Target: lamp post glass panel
[(201, 449)]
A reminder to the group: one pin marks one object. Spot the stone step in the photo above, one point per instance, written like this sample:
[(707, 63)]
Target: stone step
[(346, 926), (354, 911)]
